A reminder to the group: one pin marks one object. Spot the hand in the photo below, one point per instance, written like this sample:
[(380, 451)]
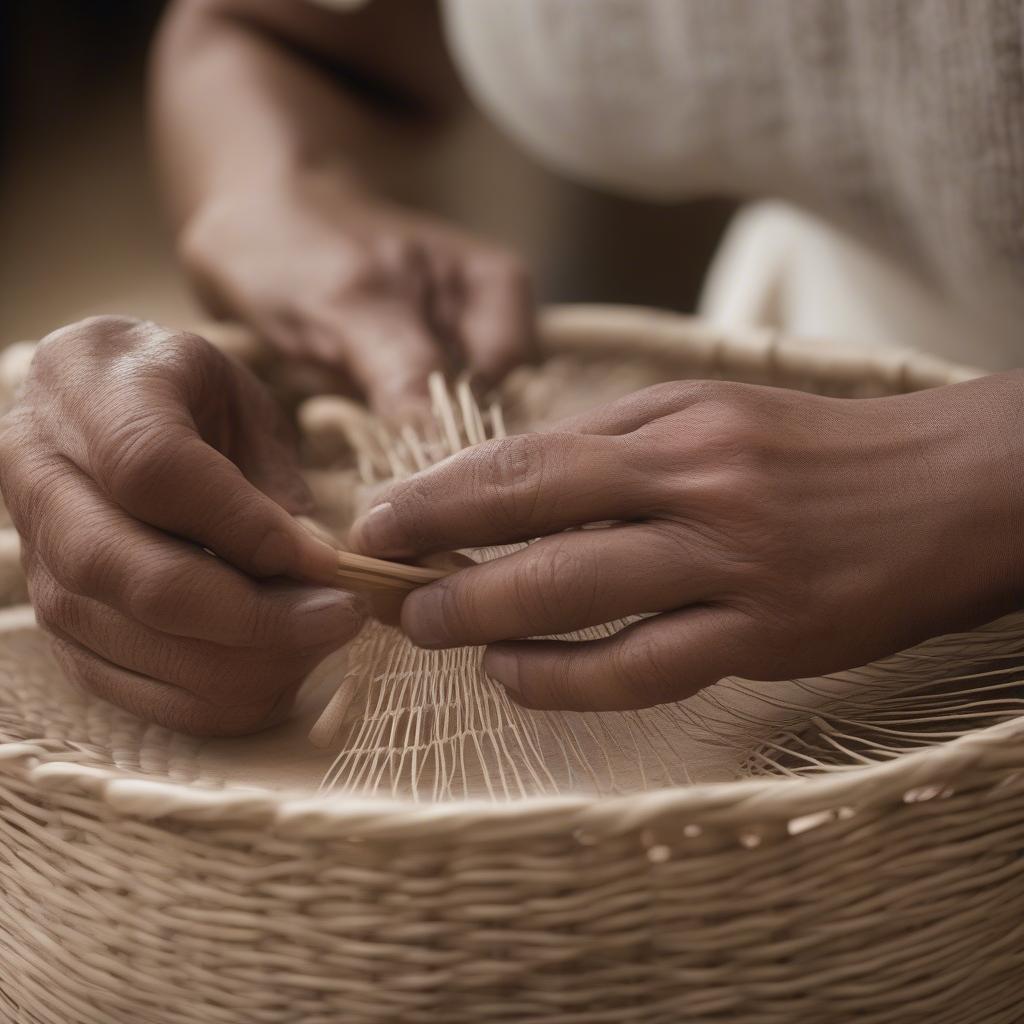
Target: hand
[(381, 293), (134, 455), (774, 535)]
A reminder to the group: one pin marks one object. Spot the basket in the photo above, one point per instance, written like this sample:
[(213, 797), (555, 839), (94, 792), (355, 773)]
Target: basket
[(824, 864)]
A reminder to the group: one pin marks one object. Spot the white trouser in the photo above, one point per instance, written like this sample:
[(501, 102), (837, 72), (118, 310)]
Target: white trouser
[(783, 268)]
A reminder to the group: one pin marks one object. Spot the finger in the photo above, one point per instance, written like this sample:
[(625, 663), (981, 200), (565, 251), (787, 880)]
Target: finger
[(560, 584), (655, 661), (168, 477), (445, 296), (496, 323), (390, 352), (162, 703), (223, 676), (503, 491), (95, 549), (265, 451)]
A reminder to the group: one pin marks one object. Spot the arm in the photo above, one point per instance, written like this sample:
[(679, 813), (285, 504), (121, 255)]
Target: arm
[(248, 91), (267, 114)]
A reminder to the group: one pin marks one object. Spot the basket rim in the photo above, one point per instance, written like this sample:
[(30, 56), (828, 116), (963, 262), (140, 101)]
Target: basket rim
[(688, 340), (974, 759), (691, 341)]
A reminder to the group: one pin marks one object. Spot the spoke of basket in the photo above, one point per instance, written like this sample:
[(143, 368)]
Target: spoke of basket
[(364, 569), (367, 579), (332, 718)]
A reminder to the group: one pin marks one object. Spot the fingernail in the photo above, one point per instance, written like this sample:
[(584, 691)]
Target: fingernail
[(378, 533), (503, 667), (325, 616), (423, 619)]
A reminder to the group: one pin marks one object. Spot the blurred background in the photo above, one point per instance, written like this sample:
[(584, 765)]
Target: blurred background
[(81, 221)]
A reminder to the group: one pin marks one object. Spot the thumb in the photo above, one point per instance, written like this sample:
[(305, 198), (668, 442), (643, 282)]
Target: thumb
[(264, 445)]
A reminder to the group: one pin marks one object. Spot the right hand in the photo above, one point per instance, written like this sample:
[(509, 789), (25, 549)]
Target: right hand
[(385, 295), (154, 489)]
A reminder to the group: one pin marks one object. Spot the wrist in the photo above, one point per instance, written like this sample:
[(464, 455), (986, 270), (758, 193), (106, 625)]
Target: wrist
[(986, 476)]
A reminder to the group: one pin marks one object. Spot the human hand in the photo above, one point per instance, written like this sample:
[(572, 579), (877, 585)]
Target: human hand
[(379, 292), (132, 454), (774, 534)]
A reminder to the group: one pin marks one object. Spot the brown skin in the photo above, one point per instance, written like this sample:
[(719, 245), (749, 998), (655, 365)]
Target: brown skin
[(130, 451), (775, 534), (134, 448), (261, 111)]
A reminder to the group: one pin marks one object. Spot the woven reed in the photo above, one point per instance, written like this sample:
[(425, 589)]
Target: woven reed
[(861, 858)]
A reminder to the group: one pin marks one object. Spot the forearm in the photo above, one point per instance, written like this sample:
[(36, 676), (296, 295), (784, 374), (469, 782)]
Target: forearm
[(244, 93)]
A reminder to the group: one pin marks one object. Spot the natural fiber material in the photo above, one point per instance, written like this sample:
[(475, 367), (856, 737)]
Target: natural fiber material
[(430, 725), (849, 848)]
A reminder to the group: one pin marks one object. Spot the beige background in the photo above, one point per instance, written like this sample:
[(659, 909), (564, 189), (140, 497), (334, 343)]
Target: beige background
[(81, 229)]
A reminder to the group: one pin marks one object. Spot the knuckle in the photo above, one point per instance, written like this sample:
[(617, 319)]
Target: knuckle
[(639, 666), (134, 463), (104, 334), (729, 429), (156, 589), (100, 328), (81, 561), (106, 323), (509, 475), (51, 605), (731, 490), (128, 471), (554, 579), (673, 394), (566, 683), (457, 615), (190, 348), (719, 452), (727, 425), (80, 566), (188, 361), (512, 463)]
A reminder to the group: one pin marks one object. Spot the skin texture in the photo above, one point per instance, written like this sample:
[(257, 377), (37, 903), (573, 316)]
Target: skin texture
[(267, 115), (154, 485), (774, 535)]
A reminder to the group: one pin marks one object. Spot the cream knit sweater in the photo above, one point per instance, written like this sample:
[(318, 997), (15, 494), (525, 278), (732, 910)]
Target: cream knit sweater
[(899, 121)]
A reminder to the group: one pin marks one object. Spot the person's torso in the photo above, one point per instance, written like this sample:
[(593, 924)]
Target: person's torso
[(903, 122)]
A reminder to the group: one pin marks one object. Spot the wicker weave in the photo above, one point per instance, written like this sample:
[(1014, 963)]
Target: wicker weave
[(152, 878)]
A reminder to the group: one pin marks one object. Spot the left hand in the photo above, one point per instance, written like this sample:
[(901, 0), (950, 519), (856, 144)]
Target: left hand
[(775, 534)]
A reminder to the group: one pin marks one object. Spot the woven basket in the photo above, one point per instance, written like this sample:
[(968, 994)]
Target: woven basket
[(816, 871)]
